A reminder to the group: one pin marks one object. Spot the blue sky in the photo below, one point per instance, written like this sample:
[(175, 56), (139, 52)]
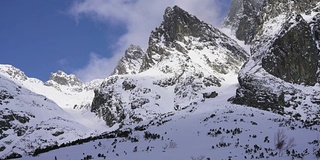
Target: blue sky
[(84, 37)]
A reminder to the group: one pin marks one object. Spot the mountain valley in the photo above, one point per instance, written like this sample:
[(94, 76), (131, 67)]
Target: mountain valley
[(194, 93)]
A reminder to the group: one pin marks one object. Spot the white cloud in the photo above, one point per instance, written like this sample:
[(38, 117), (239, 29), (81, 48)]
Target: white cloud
[(98, 67), (63, 62), (139, 17)]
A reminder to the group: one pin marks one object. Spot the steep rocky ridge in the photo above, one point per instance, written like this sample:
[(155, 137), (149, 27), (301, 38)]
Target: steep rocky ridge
[(57, 88), (282, 73), (176, 27), (293, 56), (29, 120), (243, 18), (247, 17), (131, 62), (35, 114), (185, 63), (63, 79)]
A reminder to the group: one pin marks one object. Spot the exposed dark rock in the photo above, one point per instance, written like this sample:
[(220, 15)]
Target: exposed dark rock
[(57, 133), (131, 62), (108, 105), (139, 103), (294, 55), (252, 92), (2, 148), (7, 119), (14, 156), (63, 79), (273, 8), (210, 95), (127, 85), (244, 18), (178, 24), (183, 52), (5, 96), (278, 61), (13, 72), (211, 81)]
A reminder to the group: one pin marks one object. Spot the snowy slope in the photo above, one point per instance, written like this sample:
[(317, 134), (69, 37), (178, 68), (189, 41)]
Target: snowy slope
[(34, 114), (186, 62), (131, 62), (214, 129), (292, 92), (168, 102), (74, 99)]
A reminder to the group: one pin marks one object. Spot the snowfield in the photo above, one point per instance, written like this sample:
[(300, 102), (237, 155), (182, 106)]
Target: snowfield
[(172, 102), (213, 129), (34, 115)]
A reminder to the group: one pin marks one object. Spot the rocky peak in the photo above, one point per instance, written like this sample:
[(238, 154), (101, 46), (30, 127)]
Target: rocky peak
[(63, 79), (273, 8), (246, 17), (186, 60), (13, 72), (243, 18), (180, 29), (178, 23), (284, 63), (131, 62), (293, 56)]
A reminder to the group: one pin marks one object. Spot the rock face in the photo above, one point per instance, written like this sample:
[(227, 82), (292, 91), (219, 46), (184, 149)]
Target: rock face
[(29, 120), (243, 18), (13, 72), (186, 60), (273, 8), (247, 17), (176, 26), (131, 62), (282, 73), (294, 55), (63, 79)]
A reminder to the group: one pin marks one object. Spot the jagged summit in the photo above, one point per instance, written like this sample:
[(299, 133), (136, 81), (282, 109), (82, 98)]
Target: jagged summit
[(247, 17), (186, 61), (242, 18), (282, 74), (62, 78), (131, 62), (12, 72), (184, 78), (178, 23), (179, 30), (33, 114)]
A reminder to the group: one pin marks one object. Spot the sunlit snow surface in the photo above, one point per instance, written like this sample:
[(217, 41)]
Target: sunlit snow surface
[(186, 134), (53, 117), (202, 129), (192, 133)]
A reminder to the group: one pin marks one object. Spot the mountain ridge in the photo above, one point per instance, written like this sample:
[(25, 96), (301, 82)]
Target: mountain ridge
[(186, 59), (34, 114), (284, 63), (172, 99)]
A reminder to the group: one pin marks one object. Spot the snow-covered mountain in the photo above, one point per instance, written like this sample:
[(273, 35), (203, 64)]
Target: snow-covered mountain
[(131, 62), (282, 75), (243, 18), (36, 114), (194, 93), (187, 61)]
